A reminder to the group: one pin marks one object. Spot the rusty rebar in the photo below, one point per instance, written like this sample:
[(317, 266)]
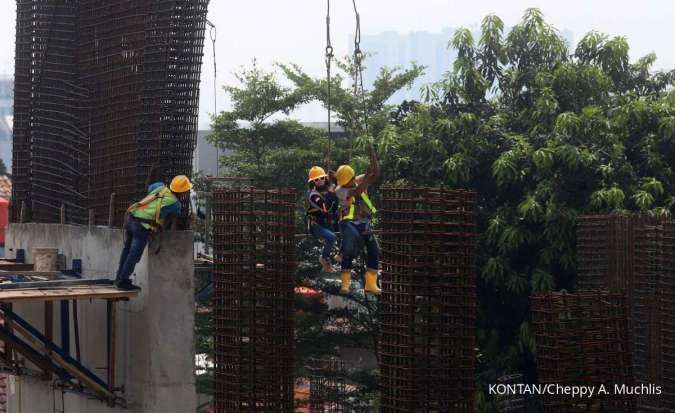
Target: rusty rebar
[(582, 339), (253, 300), (630, 254), (428, 304), (103, 94)]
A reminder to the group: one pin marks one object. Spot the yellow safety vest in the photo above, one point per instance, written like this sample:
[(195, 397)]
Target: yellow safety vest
[(352, 207), (148, 209)]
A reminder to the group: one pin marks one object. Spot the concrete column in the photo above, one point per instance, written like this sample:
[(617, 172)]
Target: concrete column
[(155, 331)]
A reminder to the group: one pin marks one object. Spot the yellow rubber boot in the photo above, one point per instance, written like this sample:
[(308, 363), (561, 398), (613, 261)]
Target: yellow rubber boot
[(371, 283), (346, 277)]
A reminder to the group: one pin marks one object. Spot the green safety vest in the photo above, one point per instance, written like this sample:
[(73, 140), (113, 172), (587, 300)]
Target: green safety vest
[(352, 207), (147, 210)]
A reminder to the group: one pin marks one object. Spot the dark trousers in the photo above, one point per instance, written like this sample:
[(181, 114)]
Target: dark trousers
[(354, 237), (135, 240), (320, 232)]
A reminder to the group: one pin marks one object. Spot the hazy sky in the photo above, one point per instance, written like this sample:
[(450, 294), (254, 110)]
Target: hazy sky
[(294, 30)]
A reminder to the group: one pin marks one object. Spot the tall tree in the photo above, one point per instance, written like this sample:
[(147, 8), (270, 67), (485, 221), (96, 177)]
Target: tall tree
[(257, 138)]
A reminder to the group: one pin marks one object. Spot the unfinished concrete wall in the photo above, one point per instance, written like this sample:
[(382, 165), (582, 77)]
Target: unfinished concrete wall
[(155, 331)]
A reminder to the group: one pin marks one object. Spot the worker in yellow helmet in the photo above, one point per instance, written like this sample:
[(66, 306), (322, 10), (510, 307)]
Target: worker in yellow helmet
[(321, 216), (146, 217), (355, 212)]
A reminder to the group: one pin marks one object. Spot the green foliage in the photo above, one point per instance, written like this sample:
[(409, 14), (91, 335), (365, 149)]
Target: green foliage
[(255, 142)]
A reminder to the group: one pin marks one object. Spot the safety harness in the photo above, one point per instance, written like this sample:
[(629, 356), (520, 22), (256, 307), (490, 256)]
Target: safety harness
[(313, 210), (349, 211), (136, 209)]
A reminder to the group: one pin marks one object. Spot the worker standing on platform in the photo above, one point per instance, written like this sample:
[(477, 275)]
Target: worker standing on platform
[(355, 212), (146, 217), (322, 213)]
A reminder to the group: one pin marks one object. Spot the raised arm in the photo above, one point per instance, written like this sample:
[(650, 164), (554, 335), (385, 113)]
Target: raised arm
[(371, 175)]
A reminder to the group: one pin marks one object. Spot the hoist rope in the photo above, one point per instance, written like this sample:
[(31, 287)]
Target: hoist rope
[(358, 69), (212, 35), (329, 58)]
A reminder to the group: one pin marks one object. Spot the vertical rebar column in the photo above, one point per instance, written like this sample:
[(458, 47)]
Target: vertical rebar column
[(326, 385), (666, 304), (253, 301), (50, 167), (167, 135), (604, 252), (427, 309), (106, 99), (653, 321), (22, 106), (112, 43), (582, 339), (646, 348), (624, 254)]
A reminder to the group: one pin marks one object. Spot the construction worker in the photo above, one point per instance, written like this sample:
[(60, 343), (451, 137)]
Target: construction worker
[(322, 213), (146, 217), (355, 211)]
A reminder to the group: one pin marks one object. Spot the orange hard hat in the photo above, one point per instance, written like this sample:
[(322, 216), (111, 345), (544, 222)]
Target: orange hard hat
[(180, 183), (316, 172)]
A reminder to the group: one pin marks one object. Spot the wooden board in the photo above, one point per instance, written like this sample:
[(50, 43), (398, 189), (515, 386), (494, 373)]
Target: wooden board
[(70, 293), (13, 266)]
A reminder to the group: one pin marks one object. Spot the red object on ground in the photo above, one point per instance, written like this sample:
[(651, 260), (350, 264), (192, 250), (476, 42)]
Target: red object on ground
[(4, 218), (307, 292)]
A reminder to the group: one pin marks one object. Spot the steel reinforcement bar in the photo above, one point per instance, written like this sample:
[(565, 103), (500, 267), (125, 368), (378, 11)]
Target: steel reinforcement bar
[(582, 339), (253, 302), (106, 100), (428, 304)]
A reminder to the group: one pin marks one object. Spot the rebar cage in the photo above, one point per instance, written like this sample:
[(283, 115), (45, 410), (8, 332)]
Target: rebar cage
[(253, 299), (106, 98), (428, 304), (634, 255), (582, 339)]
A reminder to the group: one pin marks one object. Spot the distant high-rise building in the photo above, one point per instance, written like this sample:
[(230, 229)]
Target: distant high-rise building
[(393, 49)]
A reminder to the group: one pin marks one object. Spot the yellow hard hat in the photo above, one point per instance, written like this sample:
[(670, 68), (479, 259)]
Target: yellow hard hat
[(315, 173), (344, 174), (180, 183)]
